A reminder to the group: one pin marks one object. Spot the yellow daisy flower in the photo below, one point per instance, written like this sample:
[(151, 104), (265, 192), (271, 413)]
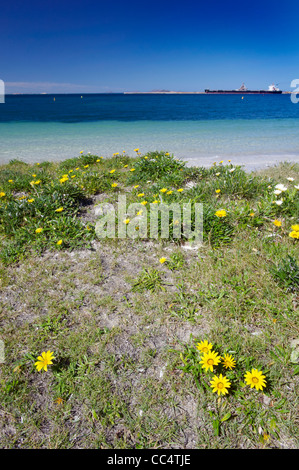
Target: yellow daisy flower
[(44, 360), (126, 221), (38, 230), (144, 203), (228, 361), (2, 194), (162, 260), (60, 209), (277, 223), (209, 360), (255, 378), (111, 171), (221, 213), (163, 190), (220, 384), (204, 346), (180, 190), (295, 228), (59, 242), (114, 185), (294, 234)]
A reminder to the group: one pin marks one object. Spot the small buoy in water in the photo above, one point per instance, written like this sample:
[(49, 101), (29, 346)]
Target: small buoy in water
[(242, 97), (54, 99), (81, 96)]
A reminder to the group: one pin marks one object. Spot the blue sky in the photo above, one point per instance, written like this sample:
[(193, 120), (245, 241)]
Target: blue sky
[(96, 46)]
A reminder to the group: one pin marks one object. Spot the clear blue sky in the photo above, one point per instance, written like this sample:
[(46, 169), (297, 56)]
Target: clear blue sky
[(99, 46)]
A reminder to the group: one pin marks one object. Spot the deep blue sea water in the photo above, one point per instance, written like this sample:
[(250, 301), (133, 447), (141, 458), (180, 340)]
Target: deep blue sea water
[(257, 130)]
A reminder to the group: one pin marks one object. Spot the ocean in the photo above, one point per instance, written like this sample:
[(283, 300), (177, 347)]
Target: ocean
[(256, 131)]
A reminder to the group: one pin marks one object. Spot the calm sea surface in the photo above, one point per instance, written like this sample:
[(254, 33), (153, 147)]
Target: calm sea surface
[(255, 131)]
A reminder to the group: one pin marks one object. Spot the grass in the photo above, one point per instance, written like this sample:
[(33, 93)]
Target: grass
[(124, 326)]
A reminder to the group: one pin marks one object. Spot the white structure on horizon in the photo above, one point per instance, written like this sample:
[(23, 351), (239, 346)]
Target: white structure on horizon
[(273, 88)]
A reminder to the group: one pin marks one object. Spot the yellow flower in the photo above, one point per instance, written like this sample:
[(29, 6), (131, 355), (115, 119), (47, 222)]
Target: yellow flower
[(98, 160), (163, 190), (132, 169), (204, 346), (34, 176), (221, 213), (169, 192), (126, 221), (44, 360), (60, 209), (140, 194), (81, 151), (126, 166), (2, 194), (295, 228), (255, 379), (277, 223), (136, 150), (294, 234), (155, 202), (62, 180), (59, 242), (217, 174), (30, 200), (209, 360), (251, 214), (112, 171), (86, 166), (59, 401), (217, 190), (114, 185), (228, 361), (144, 203), (137, 186), (162, 260), (220, 384), (139, 212), (10, 181), (180, 190), (73, 176), (38, 230)]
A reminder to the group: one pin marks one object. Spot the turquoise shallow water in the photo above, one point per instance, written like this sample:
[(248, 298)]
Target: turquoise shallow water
[(254, 143), (256, 131)]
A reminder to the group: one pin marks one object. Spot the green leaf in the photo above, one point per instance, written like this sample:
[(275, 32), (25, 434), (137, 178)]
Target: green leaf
[(226, 417)]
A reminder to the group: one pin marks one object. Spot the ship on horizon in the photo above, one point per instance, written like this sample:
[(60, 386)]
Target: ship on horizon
[(272, 89)]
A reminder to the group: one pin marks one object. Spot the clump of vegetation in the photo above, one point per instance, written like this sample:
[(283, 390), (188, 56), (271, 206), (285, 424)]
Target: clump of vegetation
[(286, 273)]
